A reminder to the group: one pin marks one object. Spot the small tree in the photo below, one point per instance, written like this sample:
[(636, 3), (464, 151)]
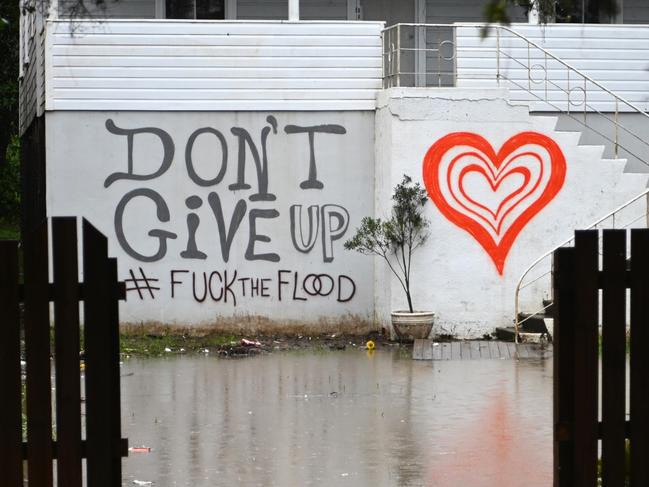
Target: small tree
[(397, 238)]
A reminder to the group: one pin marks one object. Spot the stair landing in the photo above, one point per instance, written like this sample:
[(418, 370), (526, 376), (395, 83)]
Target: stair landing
[(425, 349)]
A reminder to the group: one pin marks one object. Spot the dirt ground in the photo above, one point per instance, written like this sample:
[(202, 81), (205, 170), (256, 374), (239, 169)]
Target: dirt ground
[(172, 341)]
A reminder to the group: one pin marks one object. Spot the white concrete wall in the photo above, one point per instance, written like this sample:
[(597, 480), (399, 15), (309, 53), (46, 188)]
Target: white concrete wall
[(88, 175), (452, 274)]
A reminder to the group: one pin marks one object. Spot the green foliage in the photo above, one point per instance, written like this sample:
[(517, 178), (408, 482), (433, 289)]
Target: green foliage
[(627, 464), (10, 186), (9, 35), (397, 238), (497, 11)]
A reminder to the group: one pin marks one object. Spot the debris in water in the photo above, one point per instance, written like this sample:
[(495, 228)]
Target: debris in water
[(140, 449), (142, 482), (167, 349), (250, 343), (370, 345)]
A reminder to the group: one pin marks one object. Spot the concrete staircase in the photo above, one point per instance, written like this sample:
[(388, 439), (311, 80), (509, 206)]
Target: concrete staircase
[(624, 181)]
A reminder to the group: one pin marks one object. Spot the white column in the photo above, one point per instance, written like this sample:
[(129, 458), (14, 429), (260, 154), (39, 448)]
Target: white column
[(231, 9), (533, 14), (294, 10)]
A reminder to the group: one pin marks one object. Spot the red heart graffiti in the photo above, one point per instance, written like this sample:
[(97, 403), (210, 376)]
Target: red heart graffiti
[(522, 178)]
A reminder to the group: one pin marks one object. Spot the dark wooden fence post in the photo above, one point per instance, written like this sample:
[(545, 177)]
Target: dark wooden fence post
[(563, 366), (613, 356), (100, 292), (585, 349), (66, 322), (576, 366), (37, 354), (102, 362), (639, 358), (10, 383)]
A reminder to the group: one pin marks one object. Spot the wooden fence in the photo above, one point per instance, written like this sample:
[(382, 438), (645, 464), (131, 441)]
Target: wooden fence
[(100, 291), (581, 419)]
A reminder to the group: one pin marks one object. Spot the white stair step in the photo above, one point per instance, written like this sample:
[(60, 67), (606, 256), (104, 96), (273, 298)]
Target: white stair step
[(545, 123)]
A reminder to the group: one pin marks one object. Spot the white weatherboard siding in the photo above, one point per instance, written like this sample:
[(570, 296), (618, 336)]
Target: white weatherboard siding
[(194, 65), (616, 56)]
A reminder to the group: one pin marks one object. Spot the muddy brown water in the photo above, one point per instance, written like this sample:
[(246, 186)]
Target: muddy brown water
[(348, 418)]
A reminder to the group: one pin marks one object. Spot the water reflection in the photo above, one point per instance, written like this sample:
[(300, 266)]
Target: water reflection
[(338, 418)]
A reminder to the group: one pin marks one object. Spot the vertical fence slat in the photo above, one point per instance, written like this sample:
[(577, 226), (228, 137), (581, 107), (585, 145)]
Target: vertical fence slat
[(10, 382), (114, 385), (37, 352), (613, 357), (639, 358), (586, 356), (66, 327), (563, 365), (98, 314)]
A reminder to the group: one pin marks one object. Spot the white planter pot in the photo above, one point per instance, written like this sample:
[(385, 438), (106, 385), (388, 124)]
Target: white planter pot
[(410, 326)]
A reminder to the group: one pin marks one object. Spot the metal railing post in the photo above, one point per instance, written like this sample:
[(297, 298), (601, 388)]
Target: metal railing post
[(398, 54), (616, 125), (498, 55)]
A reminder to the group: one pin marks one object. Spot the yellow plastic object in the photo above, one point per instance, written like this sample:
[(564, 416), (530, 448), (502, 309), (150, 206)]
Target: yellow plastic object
[(370, 345)]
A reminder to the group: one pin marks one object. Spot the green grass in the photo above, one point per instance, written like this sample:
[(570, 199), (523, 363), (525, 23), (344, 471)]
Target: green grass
[(153, 345), (9, 231)]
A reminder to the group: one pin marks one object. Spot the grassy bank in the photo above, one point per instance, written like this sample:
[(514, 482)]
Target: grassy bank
[(157, 344), (165, 341), (9, 231)]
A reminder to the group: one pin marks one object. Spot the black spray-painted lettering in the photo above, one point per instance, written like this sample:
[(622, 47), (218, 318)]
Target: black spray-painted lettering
[(335, 221), (191, 170), (226, 238), (211, 286), (325, 223), (318, 284), (312, 182), (332, 231), (140, 284), (297, 226), (173, 281), (253, 236), (193, 220), (281, 281), (350, 293), (260, 165), (219, 288), (162, 211), (256, 286), (167, 147)]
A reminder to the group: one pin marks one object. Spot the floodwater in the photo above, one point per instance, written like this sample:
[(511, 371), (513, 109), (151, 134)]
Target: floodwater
[(348, 418)]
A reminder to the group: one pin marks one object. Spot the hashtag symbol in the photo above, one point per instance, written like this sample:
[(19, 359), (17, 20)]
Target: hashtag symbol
[(140, 284)]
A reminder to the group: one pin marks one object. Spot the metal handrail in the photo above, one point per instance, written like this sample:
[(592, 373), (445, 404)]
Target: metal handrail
[(519, 285), (530, 43)]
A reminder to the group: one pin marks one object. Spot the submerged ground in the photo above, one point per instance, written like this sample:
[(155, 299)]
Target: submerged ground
[(349, 417)]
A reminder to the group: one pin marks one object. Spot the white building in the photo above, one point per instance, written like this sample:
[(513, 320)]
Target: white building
[(229, 148)]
